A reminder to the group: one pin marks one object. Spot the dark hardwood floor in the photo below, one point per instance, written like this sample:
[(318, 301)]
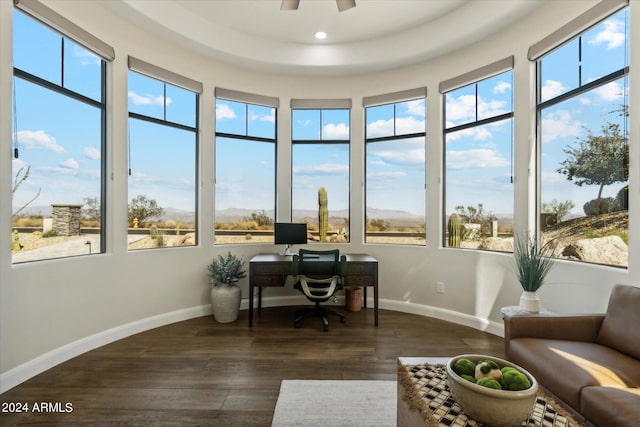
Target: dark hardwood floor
[(199, 372)]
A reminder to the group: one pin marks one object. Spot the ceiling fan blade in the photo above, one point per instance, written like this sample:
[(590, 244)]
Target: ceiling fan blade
[(289, 4), (345, 4)]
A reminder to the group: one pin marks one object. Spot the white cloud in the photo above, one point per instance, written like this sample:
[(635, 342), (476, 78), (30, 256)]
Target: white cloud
[(475, 159), (404, 157), (224, 112), (148, 99), (610, 92), (416, 107), (551, 89), (91, 153), (271, 117), (322, 169), (380, 128), (385, 176), (478, 133), (85, 56), (463, 108), (501, 87), (404, 126), (69, 164), (612, 35), (559, 124), (335, 131), (38, 139)]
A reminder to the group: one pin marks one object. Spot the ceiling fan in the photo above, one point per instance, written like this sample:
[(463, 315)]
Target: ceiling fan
[(293, 4)]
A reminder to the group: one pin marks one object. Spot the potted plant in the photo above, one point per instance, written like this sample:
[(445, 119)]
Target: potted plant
[(532, 264), (225, 294)]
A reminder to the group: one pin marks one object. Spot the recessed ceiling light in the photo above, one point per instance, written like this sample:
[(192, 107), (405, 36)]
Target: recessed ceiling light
[(321, 35)]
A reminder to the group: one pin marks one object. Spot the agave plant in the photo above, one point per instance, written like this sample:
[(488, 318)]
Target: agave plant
[(532, 262), (226, 270)]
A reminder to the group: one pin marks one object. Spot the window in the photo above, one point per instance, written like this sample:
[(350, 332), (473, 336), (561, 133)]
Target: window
[(583, 99), (245, 167), (163, 146), (320, 168), (395, 170), (478, 159), (59, 135)]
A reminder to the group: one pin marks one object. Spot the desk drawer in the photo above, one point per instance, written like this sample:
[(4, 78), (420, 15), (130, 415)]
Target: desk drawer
[(365, 268), (270, 269), (358, 280), (271, 280)]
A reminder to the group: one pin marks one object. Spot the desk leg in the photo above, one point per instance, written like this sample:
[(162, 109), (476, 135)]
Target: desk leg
[(260, 298), (375, 303), (250, 303), (364, 303)]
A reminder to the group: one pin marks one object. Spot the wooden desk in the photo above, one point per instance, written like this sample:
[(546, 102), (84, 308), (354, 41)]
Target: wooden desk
[(267, 270)]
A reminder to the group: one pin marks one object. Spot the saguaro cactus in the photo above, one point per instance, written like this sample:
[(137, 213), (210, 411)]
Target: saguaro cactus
[(454, 228), (323, 213)]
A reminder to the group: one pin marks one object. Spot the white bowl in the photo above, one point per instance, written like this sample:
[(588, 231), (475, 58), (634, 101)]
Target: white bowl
[(489, 406)]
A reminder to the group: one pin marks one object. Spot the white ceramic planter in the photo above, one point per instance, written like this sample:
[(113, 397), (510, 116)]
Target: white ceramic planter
[(225, 301), (530, 301)]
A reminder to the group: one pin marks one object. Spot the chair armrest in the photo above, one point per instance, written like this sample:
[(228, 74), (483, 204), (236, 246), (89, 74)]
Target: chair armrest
[(295, 265), (564, 327), (343, 266)]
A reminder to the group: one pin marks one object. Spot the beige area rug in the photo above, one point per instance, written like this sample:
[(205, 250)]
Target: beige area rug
[(336, 403)]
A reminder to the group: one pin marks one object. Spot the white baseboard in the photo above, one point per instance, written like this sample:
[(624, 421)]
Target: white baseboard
[(33, 367), (27, 370)]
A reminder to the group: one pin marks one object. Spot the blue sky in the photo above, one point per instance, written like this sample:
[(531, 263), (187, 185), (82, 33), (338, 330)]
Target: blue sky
[(64, 155)]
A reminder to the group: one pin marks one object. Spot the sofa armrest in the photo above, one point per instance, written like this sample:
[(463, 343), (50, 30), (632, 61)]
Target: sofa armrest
[(556, 327)]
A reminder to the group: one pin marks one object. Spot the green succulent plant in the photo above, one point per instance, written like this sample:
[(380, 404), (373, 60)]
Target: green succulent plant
[(226, 270)]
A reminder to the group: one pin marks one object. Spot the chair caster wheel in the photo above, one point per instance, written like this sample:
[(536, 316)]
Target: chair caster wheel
[(296, 325), (326, 329)]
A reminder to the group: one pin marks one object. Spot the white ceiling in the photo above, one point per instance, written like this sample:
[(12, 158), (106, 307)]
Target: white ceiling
[(375, 35)]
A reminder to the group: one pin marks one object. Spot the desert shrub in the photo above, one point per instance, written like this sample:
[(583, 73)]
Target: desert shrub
[(28, 221), (90, 223), (261, 219), (50, 233), (244, 225), (160, 240), (600, 206), (378, 225)]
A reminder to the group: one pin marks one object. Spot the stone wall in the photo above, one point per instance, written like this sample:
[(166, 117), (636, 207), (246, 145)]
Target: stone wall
[(66, 219)]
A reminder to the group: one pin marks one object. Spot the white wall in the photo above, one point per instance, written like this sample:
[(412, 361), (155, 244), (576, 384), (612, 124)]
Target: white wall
[(51, 310)]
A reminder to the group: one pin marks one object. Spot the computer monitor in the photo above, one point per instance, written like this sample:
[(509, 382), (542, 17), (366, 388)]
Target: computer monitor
[(289, 233)]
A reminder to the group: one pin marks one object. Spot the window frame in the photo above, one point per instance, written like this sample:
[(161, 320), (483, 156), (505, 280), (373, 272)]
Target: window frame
[(322, 105), (248, 100), (165, 78), (475, 77), (572, 31), (395, 100), (63, 29)]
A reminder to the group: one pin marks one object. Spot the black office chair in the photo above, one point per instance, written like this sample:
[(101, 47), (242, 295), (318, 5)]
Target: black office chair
[(318, 276)]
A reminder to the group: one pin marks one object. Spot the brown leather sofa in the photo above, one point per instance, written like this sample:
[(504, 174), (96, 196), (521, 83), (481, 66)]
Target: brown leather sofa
[(591, 363)]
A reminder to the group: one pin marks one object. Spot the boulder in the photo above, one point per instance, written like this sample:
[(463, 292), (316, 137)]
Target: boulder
[(602, 250), (497, 244)]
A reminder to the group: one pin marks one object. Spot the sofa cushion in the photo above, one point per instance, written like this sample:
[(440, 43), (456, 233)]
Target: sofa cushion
[(618, 330), (566, 367), (611, 406)]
